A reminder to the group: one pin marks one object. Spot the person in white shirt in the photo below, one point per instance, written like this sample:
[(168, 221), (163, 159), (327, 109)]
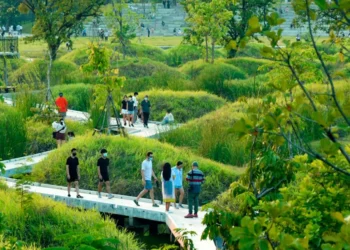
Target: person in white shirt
[(136, 110), (60, 132), (147, 173), (168, 118), (10, 30), (176, 172)]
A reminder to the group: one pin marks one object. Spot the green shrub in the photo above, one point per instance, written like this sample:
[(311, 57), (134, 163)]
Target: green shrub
[(78, 95), (248, 65), (47, 223), (12, 133), (39, 135), (185, 105), (126, 155), (212, 78)]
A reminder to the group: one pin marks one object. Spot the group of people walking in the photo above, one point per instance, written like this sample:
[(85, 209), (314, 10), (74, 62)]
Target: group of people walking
[(172, 185), (171, 179), (130, 110)]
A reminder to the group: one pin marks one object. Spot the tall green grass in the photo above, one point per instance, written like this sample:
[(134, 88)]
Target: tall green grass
[(12, 133), (46, 223), (209, 135), (35, 74), (39, 135), (126, 156), (78, 95), (212, 78)]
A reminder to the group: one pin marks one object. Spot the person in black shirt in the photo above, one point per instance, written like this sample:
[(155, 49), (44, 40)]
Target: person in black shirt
[(103, 176), (72, 171), (124, 109), (130, 108), (145, 109)]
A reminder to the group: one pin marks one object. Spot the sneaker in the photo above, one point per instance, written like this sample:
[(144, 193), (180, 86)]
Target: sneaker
[(195, 216), (155, 205), (177, 206), (99, 195), (79, 196), (132, 125), (137, 203), (110, 196), (180, 205), (189, 216), (68, 195)]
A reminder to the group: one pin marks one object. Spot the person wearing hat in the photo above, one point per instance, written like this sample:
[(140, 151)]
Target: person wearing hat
[(62, 105), (195, 178)]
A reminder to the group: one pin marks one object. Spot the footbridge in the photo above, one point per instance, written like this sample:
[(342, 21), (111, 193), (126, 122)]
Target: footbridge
[(124, 206), (120, 204)]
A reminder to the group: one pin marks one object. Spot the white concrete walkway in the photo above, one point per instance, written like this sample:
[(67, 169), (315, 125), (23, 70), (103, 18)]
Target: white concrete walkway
[(124, 205)]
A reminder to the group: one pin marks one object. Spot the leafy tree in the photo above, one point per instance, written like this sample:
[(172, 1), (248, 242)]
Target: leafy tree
[(8, 11), (238, 26), (209, 20), (297, 200), (56, 21), (123, 21), (110, 81)]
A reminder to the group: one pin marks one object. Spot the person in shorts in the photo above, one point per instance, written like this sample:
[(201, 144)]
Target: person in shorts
[(60, 132), (103, 175), (177, 173), (124, 109), (130, 108), (147, 173), (62, 105), (73, 173)]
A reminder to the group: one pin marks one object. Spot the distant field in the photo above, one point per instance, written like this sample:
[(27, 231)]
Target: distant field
[(38, 49)]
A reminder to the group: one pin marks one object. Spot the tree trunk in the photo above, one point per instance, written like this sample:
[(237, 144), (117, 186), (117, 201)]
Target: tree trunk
[(49, 68), (5, 71), (206, 49), (212, 52)]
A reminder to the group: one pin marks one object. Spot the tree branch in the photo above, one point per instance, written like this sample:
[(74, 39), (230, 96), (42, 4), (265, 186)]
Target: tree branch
[(330, 80)]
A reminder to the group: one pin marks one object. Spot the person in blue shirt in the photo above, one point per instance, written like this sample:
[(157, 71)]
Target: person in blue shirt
[(177, 176)]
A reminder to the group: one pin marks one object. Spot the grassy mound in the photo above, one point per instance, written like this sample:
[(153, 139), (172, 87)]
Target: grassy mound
[(248, 65), (151, 52), (208, 136), (46, 223), (144, 74), (185, 105), (251, 87), (12, 133), (35, 73), (212, 78), (77, 56), (126, 155)]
